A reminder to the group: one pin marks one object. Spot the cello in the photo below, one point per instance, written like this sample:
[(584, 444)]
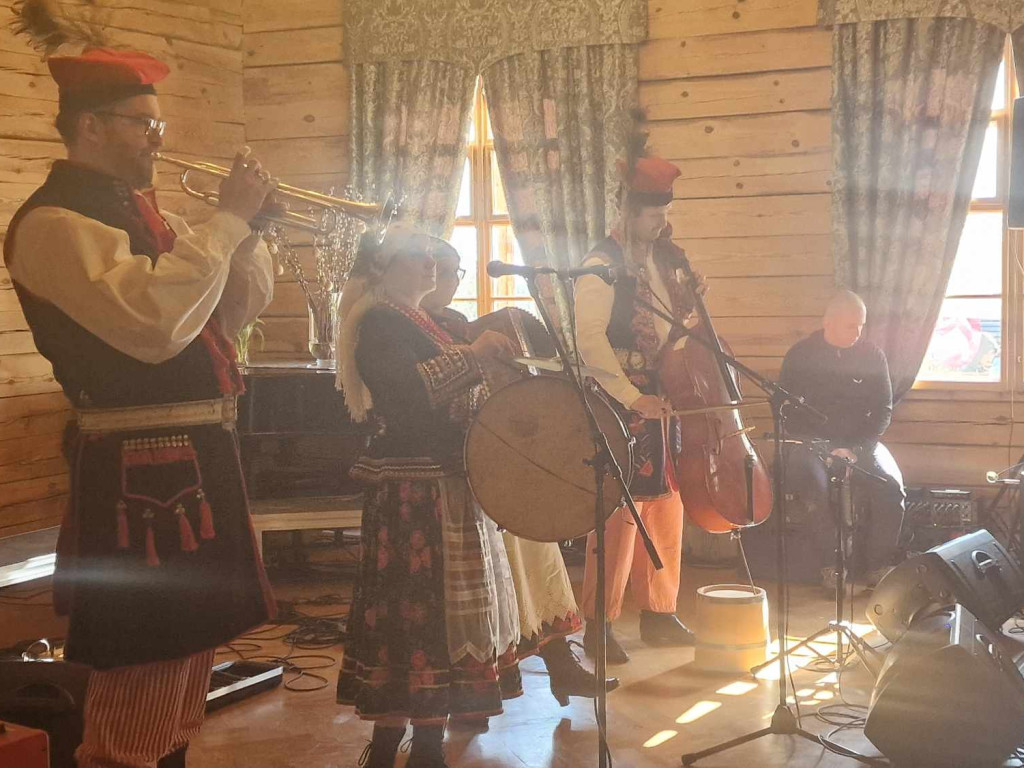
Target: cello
[(722, 479)]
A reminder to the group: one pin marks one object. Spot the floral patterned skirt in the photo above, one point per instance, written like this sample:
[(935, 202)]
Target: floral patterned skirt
[(397, 661)]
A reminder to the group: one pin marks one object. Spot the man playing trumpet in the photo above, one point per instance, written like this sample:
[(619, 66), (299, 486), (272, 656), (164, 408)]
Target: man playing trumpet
[(136, 312)]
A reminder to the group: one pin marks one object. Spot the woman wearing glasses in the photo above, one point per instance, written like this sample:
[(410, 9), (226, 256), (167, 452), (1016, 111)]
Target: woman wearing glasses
[(547, 608), (433, 627)]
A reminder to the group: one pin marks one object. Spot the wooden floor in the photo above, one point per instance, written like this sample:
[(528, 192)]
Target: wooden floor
[(284, 729)]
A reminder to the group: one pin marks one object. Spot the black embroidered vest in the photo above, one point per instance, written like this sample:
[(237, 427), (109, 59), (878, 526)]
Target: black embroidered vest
[(91, 372), (621, 334)]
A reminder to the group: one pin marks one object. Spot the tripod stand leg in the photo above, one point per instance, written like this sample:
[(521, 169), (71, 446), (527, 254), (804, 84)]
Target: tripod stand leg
[(871, 658), (693, 757), (783, 724), (805, 643)]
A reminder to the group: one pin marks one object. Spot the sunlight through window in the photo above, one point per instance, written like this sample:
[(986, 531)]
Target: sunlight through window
[(737, 689), (795, 663), (659, 738), (698, 711)]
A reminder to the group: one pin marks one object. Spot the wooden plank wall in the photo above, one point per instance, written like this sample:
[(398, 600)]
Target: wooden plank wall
[(202, 100), (739, 97), (739, 93), (296, 120)]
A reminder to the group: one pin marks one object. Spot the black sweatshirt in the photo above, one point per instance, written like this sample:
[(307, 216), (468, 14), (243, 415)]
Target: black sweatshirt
[(850, 386)]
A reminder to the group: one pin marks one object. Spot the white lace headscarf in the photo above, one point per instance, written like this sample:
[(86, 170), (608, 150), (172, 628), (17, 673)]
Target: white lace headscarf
[(362, 292)]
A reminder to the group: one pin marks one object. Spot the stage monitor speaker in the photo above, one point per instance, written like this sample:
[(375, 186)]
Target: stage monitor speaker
[(1015, 208), (947, 696), (974, 570)]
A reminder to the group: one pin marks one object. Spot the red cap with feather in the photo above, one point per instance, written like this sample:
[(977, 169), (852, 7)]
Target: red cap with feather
[(102, 75), (649, 181)]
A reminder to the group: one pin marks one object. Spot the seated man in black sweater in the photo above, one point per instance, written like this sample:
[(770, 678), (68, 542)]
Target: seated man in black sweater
[(847, 379)]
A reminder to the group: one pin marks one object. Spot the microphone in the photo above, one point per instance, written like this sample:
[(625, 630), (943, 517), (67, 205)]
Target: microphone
[(501, 269)]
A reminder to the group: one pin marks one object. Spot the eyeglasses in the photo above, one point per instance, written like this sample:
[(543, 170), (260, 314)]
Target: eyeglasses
[(460, 273), (154, 127)]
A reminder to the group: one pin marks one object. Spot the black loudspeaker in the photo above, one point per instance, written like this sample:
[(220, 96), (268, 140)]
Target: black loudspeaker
[(947, 696), (1015, 207), (49, 695), (974, 570)]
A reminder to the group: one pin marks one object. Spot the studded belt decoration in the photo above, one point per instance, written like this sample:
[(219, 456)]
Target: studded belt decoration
[(193, 413), (633, 361)]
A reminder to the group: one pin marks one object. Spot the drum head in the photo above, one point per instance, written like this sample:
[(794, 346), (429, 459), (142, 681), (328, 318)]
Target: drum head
[(526, 454)]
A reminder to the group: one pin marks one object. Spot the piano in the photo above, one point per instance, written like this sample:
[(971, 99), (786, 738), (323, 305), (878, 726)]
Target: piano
[(297, 445)]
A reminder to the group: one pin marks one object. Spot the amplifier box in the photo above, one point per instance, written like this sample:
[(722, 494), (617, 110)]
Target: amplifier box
[(935, 516), (940, 508), (974, 570)]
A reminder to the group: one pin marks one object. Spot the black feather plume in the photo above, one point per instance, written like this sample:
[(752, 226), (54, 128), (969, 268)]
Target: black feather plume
[(636, 141), (48, 29)]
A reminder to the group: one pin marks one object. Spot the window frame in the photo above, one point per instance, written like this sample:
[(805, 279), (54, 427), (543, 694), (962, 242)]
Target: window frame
[(480, 153), (1011, 376)]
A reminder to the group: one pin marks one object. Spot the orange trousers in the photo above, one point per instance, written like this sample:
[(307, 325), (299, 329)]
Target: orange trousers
[(627, 562)]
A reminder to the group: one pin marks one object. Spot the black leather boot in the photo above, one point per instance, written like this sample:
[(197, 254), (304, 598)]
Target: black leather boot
[(174, 760), (568, 677), (380, 753), (664, 629), (613, 651), (427, 747)]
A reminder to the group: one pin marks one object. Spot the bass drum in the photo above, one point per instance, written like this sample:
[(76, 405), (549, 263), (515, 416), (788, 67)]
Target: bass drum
[(525, 458)]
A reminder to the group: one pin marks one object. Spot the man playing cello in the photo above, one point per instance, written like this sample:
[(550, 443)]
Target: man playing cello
[(616, 334)]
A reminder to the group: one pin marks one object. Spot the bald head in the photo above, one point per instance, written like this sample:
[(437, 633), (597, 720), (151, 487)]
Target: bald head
[(844, 319)]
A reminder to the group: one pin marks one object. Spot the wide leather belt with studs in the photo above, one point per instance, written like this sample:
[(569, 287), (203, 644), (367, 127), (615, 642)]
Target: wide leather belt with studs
[(220, 411)]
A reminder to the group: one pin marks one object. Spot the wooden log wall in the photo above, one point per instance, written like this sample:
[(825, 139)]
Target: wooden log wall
[(296, 120), (739, 97), (202, 101), (738, 93)]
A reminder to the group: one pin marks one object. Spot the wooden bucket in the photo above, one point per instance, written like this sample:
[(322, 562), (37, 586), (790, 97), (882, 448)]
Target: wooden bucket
[(732, 627)]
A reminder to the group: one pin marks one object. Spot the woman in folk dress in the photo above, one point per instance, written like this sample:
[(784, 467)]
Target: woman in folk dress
[(434, 624)]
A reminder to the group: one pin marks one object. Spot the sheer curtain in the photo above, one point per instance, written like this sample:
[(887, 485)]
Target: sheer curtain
[(409, 121), (911, 103), (561, 119)]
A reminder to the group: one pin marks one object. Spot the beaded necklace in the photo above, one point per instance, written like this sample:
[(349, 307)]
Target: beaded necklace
[(426, 323)]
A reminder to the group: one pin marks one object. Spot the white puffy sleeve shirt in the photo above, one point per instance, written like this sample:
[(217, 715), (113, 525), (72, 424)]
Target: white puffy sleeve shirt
[(149, 312), (594, 300)]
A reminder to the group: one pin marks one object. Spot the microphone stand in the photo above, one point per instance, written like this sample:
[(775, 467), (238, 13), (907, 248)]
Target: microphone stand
[(603, 464), (783, 722), (841, 507)]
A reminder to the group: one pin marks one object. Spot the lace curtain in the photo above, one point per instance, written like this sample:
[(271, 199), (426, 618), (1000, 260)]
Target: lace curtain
[(409, 121), (911, 103), (561, 119)]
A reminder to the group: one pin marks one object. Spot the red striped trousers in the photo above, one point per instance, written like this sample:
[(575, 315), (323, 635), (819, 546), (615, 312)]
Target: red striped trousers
[(135, 715)]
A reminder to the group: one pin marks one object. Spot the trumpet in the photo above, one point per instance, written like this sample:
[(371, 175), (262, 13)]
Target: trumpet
[(329, 207)]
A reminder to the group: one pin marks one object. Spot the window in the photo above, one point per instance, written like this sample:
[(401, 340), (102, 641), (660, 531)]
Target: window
[(975, 324), (483, 230)]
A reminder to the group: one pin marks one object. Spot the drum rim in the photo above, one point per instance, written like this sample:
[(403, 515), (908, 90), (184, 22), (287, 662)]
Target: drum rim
[(755, 594), (562, 381)]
